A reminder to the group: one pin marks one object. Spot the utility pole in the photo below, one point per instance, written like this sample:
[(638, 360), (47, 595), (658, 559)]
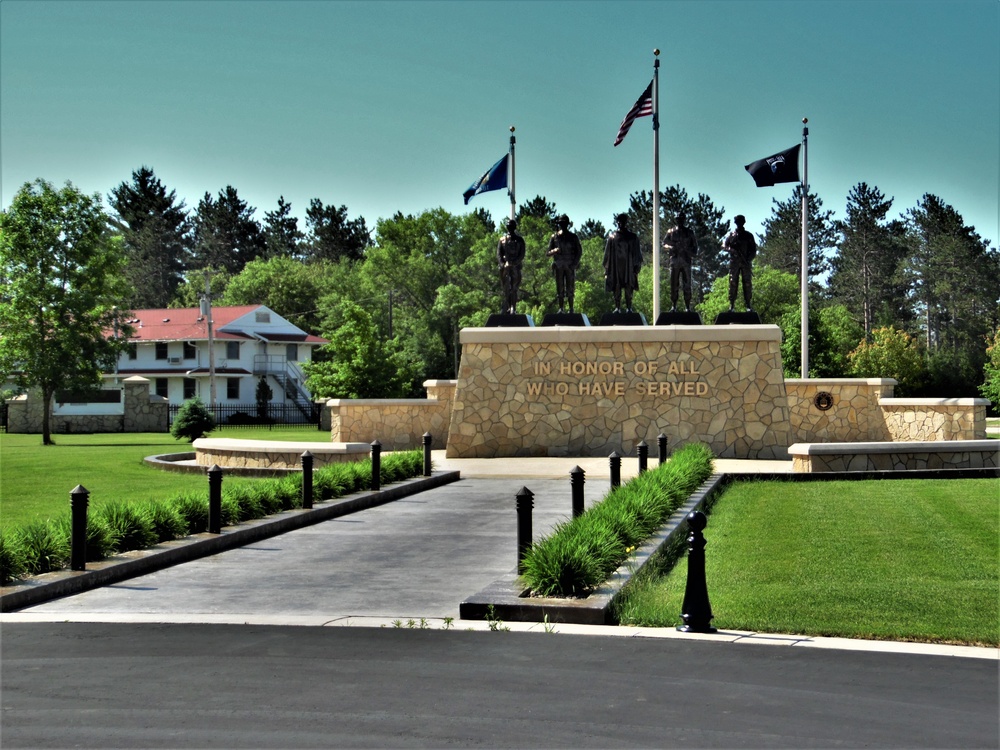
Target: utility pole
[(206, 311)]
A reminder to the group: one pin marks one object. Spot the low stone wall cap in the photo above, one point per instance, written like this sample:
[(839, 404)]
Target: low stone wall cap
[(919, 446)]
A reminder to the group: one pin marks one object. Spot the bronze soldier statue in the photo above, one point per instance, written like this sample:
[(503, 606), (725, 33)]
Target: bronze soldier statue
[(742, 250), (681, 245), (510, 256), (565, 251), (622, 260)]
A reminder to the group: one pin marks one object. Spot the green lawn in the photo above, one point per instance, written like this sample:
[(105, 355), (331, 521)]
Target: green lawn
[(901, 559), (35, 480)]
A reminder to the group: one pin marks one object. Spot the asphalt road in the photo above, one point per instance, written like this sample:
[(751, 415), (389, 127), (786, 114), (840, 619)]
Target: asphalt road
[(116, 685)]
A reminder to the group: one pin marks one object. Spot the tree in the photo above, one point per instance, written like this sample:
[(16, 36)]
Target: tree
[(865, 267), (591, 229), (193, 421), (263, 395), (890, 353), (332, 236), (356, 363), (281, 232), (192, 289), (954, 282), (226, 236), (539, 208), (64, 292), (781, 245), (156, 232), (290, 287), (990, 387)]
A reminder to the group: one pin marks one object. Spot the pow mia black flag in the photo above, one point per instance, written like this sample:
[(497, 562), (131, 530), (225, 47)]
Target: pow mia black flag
[(782, 167)]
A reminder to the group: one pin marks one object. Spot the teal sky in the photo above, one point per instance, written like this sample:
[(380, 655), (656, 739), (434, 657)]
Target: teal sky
[(398, 106)]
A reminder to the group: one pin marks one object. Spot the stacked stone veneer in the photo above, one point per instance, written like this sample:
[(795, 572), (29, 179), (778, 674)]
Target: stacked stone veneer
[(259, 454), (398, 424), (143, 412), (854, 415), (934, 418), (589, 391), (890, 456)]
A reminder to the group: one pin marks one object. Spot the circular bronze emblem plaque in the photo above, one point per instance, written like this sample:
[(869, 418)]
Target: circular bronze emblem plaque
[(823, 400)]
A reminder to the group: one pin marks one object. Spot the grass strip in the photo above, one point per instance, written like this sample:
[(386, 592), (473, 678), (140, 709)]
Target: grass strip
[(912, 560), (582, 553)]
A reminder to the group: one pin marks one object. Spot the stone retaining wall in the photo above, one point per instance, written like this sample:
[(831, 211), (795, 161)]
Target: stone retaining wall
[(397, 423), (143, 412), (895, 456), (853, 413), (934, 418), (259, 454)]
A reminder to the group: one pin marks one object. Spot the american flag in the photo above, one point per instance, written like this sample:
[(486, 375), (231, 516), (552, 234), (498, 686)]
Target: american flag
[(643, 107)]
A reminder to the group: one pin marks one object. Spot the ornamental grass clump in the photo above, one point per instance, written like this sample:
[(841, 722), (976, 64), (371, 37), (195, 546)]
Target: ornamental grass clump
[(13, 557), (582, 553), (193, 507), (168, 524), (46, 547), (129, 524)]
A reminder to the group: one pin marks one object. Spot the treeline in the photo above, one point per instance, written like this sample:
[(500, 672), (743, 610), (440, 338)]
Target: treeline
[(912, 295)]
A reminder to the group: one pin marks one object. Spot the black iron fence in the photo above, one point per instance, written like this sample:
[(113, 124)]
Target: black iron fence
[(247, 415)]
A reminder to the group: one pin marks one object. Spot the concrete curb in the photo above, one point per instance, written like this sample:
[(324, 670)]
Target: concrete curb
[(509, 601), (131, 564)]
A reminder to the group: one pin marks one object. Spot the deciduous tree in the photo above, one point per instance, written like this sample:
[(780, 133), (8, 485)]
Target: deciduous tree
[(65, 292)]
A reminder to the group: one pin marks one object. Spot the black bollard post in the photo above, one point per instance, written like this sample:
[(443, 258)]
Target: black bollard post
[(643, 451), (661, 444), (376, 466), (696, 610), (576, 482), (307, 480), (215, 500), (525, 502), (79, 497), (427, 453), (616, 469)]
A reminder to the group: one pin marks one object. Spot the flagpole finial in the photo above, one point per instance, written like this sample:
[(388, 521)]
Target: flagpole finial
[(656, 52), (805, 120), (511, 128)]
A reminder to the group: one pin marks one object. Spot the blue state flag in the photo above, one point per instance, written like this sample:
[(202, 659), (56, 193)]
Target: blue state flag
[(494, 178)]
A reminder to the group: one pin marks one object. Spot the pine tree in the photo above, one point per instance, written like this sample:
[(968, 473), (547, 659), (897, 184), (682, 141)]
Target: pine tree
[(281, 232), (156, 232), (226, 236), (781, 245), (333, 236)]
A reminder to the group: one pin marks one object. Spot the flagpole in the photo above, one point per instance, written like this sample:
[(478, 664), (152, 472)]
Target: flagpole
[(510, 190), (805, 248), (656, 185)]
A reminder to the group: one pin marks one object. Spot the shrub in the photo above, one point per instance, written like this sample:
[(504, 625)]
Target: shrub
[(582, 553), (166, 519), (193, 421), (46, 547), (193, 508), (289, 491), (129, 524), (245, 500), (13, 559), (102, 540)]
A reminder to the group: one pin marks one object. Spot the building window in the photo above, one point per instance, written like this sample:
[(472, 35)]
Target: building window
[(190, 352), (233, 389), (292, 352), (262, 317), (190, 388), (232, 350), (133, 351), (161, 387), (161, 350)]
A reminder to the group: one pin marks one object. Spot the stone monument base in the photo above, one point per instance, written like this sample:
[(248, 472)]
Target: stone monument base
[(679, 318), (730, 317), (588, 391), (565, 319), (623, 319), (509, 320)]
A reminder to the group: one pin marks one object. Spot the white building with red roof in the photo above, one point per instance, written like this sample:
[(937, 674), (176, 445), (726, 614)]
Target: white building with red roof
[(170, 347)]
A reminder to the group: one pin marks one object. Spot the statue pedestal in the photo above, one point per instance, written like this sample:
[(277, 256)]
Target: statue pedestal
[(730, 317), (509, 320), (679, 318), (623, 319), (588, 391), (565, 319)]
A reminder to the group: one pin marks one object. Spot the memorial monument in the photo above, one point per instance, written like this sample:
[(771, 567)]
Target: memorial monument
[(742, 249), (566, 251), (681, 245)]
